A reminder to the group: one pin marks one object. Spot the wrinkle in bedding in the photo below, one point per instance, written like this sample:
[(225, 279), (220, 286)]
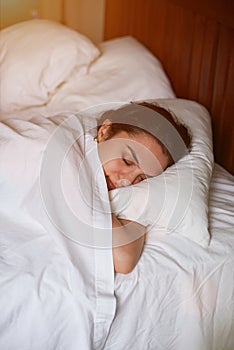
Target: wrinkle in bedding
[(105, 81)]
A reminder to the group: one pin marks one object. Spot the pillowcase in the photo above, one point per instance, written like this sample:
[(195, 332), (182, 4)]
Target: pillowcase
[(175, 202), (36, 57), (145, 75)]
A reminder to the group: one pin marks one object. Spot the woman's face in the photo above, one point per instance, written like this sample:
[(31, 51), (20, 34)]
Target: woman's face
[(129, 159)]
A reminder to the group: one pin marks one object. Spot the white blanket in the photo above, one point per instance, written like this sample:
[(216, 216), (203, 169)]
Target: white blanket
[(56, 280), (181, 296), (57, 286)]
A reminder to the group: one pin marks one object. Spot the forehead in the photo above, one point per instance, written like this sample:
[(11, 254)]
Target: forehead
[(141, 142)]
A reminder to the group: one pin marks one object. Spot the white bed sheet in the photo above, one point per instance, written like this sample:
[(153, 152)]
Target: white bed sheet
[(181, 296)]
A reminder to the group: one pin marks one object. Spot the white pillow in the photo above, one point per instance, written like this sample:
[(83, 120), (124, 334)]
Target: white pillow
[(36, 57), (146, 77), (177, 200)]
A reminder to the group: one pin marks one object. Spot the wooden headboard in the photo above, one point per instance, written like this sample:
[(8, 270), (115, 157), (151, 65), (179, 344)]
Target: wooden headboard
[(194, 41)]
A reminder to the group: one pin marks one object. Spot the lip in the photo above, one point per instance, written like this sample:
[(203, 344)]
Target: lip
[(110, 184)]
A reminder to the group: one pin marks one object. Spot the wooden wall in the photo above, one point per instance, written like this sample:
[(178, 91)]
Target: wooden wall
[(194, 40), (14, 11), (85, 16)]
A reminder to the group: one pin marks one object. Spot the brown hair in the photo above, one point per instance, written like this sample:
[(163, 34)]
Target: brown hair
[(135, 130), (180, 128)]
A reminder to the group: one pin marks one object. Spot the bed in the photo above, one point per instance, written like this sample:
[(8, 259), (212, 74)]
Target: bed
[(57, 294)]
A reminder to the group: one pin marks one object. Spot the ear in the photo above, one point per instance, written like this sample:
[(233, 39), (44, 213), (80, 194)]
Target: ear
[(104, 131)]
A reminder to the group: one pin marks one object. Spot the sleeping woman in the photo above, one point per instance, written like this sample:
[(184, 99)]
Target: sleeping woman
[(136, 142)]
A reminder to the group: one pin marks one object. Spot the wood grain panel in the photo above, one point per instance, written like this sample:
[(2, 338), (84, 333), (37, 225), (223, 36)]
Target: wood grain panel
[(220, 10), (223, 100), (196, 50), (208, 61)]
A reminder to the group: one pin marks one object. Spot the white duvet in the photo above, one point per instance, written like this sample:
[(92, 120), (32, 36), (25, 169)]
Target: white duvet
[(180, 295), (56, 281)]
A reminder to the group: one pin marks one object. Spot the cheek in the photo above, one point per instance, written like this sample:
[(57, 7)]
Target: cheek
[(112, 166)]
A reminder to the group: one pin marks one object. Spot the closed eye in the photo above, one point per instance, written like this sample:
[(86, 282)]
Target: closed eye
[(128, 162)]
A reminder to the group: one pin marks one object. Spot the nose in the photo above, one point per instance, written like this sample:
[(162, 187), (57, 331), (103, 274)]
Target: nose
[(127, 178)]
